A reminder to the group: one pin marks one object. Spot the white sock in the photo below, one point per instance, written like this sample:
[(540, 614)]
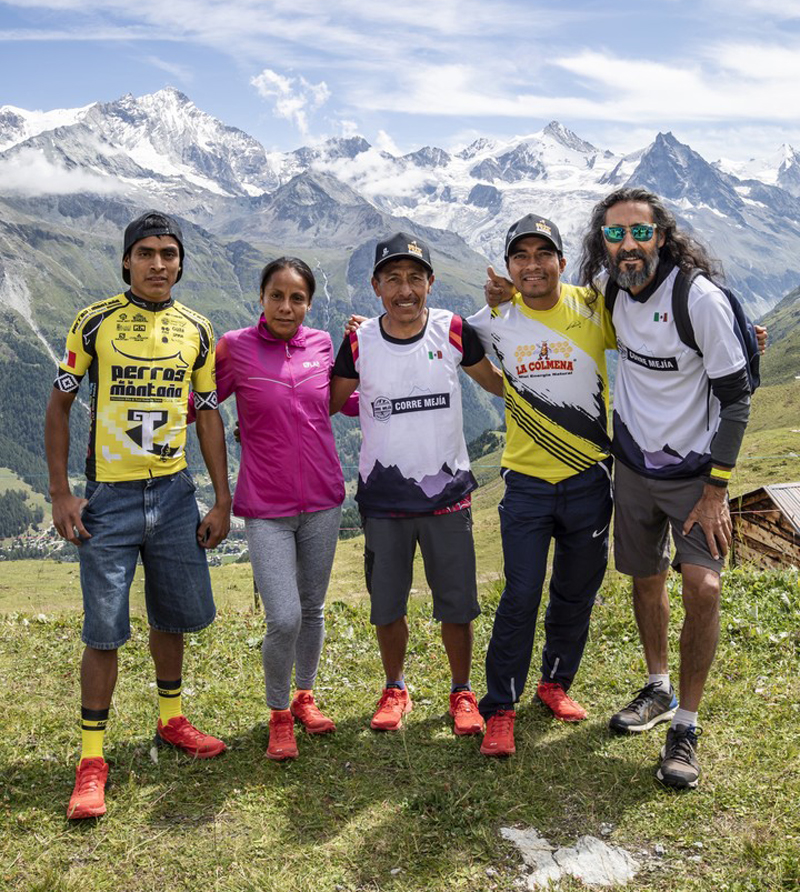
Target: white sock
[(662, 680), (684, 717)]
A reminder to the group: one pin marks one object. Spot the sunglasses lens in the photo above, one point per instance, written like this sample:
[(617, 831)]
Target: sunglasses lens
[(642, 233), (614, 233)]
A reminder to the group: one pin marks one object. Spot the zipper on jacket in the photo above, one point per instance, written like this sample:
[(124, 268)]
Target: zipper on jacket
[(297, 430)]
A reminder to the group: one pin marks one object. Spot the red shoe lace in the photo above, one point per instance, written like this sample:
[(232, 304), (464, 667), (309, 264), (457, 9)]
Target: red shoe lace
[(88, 779), (281, 729)]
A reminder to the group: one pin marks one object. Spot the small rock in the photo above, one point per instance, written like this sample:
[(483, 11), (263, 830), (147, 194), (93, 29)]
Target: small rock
[(395, 870), (154, 754), (659, 850), (606, 829), (698, 845), (491, 872), (695, 858)]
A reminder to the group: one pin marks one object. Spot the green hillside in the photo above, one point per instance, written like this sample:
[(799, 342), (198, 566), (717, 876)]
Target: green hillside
[(781, 363)]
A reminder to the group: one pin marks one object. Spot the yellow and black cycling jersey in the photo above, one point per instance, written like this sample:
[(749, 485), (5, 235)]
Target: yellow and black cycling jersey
[(142, 359), (556, 381)]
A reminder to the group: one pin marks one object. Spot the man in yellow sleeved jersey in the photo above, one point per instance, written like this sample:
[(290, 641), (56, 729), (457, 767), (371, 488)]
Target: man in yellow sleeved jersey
[(143, 352), (550, 339)]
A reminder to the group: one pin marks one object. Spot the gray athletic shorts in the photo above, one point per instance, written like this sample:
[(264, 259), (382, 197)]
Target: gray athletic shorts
[(448, 553), (644, 510)]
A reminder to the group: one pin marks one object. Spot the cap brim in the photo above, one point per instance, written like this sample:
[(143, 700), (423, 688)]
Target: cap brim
[(541, 235), (384, 260)]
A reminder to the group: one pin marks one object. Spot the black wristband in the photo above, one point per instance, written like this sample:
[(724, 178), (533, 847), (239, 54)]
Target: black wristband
[(715, 481)]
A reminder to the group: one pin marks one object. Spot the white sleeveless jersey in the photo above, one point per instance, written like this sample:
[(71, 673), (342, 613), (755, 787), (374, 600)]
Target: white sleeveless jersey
[(413, 455)]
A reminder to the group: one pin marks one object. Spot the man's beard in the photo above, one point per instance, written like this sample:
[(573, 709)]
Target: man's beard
[(633, 278)]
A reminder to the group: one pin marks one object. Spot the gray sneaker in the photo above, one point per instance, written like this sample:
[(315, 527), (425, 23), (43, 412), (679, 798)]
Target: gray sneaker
[(651, 705), (679, 765)]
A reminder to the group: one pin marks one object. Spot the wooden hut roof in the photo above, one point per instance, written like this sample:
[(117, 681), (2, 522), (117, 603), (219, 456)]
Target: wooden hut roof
[(786, 497)]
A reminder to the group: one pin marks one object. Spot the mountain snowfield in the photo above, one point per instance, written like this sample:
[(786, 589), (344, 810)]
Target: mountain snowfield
[(161, 150), (71, 179)]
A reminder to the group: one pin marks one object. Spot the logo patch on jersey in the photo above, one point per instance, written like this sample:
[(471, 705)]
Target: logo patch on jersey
[(383, 407), (66, 382), (654, 363), (660, 317), (69, 359), (143, 433), (547, 357), (434, 354), (311, 365)]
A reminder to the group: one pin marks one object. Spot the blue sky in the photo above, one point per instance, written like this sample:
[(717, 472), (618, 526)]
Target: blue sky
[(723, 75)]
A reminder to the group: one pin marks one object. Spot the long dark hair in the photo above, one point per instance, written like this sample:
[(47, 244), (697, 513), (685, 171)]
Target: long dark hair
[(686, 252), (294, 263)]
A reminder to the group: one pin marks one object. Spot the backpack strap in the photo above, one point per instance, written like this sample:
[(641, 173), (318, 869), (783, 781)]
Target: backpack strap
[(680, 307), (612, 290)]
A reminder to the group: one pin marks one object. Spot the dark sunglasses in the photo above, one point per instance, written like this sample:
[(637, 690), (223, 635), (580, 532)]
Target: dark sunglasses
[(641, 232)]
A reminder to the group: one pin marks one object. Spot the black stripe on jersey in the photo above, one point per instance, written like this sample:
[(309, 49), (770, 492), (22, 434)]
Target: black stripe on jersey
[(92, 325), (204, 330), (557, 448)]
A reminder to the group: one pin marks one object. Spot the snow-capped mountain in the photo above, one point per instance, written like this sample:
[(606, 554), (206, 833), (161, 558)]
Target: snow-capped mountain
[(780, 169), (71, 179)]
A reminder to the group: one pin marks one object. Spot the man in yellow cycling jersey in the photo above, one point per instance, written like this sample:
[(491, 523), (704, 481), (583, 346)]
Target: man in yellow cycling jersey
[(143, 352)]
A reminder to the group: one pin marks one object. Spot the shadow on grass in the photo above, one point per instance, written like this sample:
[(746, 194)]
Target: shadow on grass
[(419, 801)]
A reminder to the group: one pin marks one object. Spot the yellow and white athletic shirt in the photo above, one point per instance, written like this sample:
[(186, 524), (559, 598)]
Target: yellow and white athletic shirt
[(142, 358), (556, 382)]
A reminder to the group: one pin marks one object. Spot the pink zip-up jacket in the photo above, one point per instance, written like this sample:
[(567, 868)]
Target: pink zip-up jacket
[(289, 461)]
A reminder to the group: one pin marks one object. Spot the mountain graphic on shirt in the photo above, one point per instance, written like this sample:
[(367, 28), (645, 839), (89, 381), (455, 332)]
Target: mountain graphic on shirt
[(387, 490)]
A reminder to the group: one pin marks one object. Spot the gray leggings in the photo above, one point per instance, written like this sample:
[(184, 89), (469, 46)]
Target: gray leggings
[(292, 559)]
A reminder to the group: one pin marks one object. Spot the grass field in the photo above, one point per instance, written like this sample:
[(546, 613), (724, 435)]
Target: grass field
[(417, 810)]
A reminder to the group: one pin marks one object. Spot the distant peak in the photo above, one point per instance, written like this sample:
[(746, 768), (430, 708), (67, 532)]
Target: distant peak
[(566, 137), (174, 94)]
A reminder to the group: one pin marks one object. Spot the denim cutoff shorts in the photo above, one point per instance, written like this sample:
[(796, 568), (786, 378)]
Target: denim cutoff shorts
[(156, 519)]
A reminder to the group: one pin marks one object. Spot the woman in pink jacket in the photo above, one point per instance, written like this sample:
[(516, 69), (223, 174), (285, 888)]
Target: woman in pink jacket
[(290, 487)]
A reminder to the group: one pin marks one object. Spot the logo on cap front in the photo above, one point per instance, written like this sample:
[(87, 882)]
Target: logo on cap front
[(385, 252), (543, 227), (414, 248)]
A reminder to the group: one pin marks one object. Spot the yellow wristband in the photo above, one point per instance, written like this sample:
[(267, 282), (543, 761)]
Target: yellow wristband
[(720, 474)]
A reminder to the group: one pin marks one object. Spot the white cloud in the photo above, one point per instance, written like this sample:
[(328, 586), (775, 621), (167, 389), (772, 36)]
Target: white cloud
[(29, 172), (375, 174), (349, 128), (180, 72), (385, 143), (293, 96)]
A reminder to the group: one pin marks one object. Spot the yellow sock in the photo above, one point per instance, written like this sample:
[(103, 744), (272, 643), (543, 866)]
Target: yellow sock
[(93, 729), (169, 699)]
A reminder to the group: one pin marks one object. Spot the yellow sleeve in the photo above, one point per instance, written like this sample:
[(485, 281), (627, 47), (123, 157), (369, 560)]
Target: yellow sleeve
[(79, 353)]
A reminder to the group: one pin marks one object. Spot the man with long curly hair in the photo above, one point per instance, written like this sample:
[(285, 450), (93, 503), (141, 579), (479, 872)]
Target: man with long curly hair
[(679, 419)]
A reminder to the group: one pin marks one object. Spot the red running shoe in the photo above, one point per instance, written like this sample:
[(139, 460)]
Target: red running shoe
[(499, 737), (282, 744), (464, 709), (306, 711), (392, 706), (182, 734), (88, 798), (556, 699)]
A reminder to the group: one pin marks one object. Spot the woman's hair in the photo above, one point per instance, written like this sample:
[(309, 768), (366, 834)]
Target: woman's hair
[(293, 263)]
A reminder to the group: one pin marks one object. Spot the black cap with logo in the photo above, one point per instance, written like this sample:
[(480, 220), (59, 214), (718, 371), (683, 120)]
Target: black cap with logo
[(402, 246), (150, 223), (533, 224)]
